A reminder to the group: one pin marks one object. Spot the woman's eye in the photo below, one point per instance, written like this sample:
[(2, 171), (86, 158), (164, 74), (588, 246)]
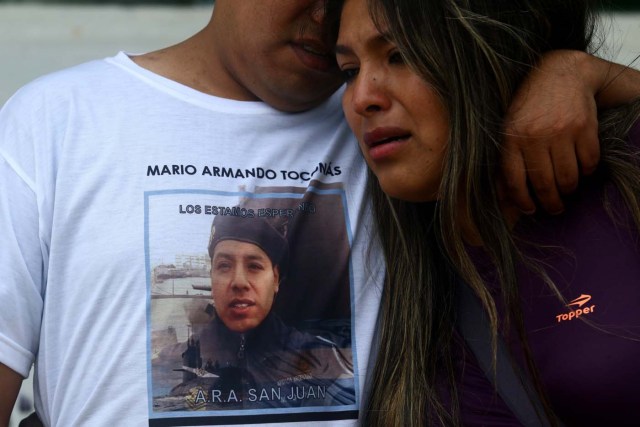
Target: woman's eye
[(396, 58), (349, 74)]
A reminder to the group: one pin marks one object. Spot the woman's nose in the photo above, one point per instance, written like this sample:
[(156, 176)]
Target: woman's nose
[(369, 94)]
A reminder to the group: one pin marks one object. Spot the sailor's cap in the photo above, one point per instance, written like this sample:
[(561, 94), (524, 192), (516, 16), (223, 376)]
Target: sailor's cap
[(255, 230)]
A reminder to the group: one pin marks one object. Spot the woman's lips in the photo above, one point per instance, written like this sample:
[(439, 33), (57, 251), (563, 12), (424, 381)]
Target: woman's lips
[(385, 141)]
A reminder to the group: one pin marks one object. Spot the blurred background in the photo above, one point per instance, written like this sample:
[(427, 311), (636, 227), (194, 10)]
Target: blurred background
[(38, 37)]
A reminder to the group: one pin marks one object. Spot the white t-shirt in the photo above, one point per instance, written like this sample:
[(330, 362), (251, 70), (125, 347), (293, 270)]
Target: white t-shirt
[(110, 177)]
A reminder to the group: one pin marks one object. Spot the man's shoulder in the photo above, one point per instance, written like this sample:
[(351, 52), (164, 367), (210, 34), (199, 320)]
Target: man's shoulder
[(57, 86)]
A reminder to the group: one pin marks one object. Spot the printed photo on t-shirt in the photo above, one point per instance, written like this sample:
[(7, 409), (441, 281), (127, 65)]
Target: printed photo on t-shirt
[(249, 306)]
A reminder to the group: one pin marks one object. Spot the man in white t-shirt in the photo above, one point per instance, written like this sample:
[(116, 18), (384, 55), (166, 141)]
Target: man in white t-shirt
[(109, 170)]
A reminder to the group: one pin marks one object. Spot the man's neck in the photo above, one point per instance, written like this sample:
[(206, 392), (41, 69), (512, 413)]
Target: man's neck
[(194, 63)]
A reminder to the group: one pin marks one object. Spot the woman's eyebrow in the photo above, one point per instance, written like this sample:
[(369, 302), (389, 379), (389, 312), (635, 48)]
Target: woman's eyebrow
[(379, 39)]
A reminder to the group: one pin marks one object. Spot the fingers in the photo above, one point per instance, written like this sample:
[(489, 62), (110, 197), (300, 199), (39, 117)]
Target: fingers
[(548, 168), (515, 181), (551, 134), (542, 177), (563, 160), (588, 150)]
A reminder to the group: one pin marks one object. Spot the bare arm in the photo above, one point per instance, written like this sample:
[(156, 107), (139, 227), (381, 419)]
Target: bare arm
[(552, 128), (618, 84), (11, 382)]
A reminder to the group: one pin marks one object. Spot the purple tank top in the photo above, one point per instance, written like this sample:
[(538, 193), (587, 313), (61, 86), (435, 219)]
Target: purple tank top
[(588, 350)]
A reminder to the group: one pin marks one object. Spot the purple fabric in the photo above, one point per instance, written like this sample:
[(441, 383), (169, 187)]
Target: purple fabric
[(590, 370)]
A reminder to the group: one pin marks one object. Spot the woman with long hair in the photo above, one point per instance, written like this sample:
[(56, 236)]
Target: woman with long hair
[(428, 87)]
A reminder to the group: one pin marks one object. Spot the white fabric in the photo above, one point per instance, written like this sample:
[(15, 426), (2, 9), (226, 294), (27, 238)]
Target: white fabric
[(77, 219)]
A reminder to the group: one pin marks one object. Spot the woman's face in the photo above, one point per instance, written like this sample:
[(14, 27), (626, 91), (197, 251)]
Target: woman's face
[(398, 118)]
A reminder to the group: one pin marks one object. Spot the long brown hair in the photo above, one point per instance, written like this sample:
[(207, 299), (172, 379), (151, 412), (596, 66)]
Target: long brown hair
[(475, 53)]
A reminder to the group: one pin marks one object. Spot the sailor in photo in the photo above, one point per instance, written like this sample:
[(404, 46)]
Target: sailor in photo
[(245, 353)]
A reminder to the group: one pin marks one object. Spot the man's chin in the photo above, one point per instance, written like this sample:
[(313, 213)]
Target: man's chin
[(241, 326)]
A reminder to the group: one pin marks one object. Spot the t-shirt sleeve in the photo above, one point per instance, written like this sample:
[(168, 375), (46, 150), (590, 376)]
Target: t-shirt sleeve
[(21, 259)]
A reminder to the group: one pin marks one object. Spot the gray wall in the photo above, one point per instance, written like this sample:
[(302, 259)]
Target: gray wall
[(37, 39)]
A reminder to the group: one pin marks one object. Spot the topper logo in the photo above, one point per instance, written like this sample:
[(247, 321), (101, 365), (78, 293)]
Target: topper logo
[(581, 300), (574, 314)]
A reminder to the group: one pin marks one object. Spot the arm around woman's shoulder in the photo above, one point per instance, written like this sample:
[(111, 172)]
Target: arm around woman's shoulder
[(551, 130)]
